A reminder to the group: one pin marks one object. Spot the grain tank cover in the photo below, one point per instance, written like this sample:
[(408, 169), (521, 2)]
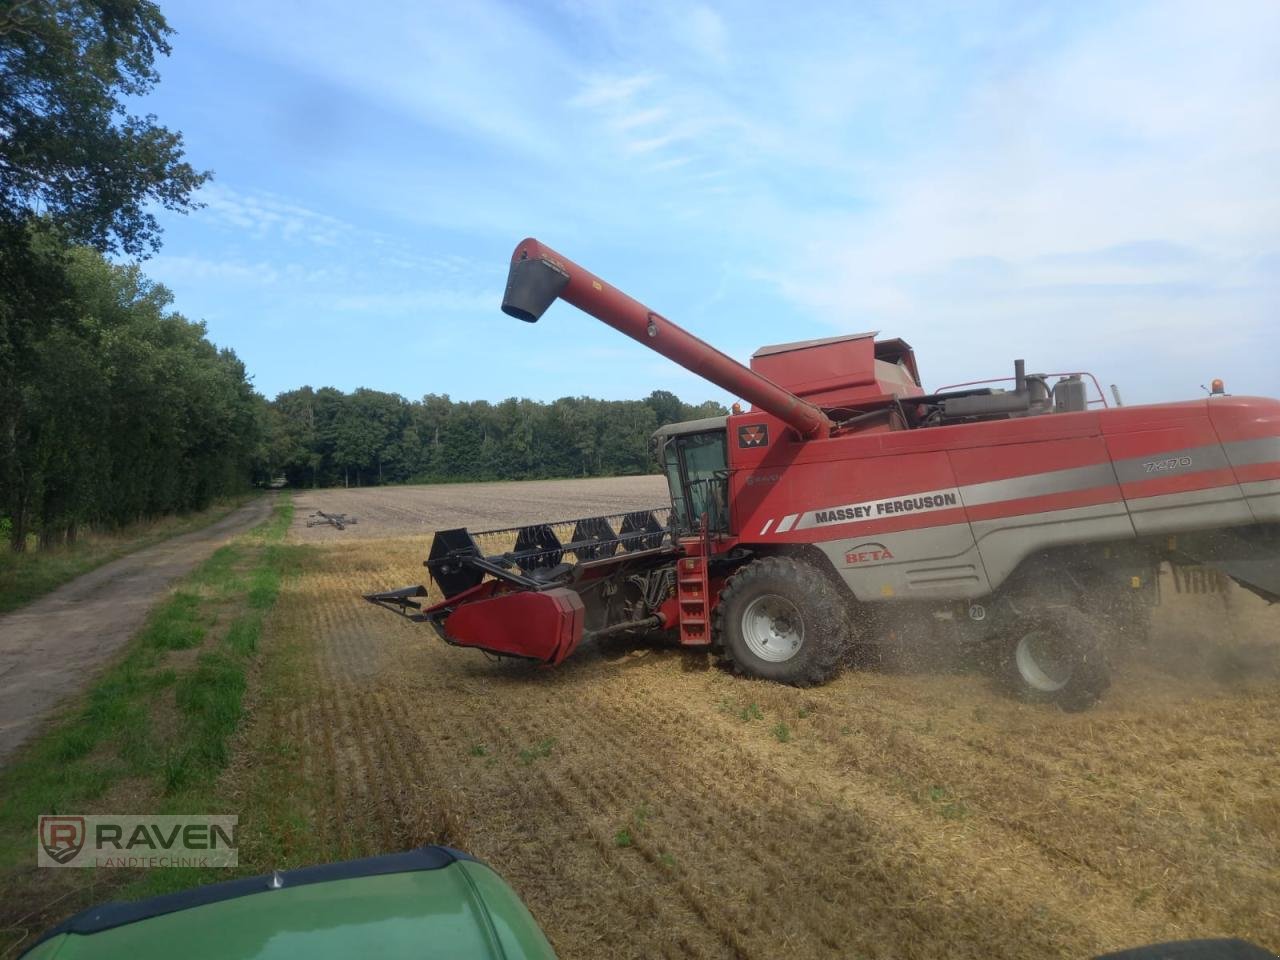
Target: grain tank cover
[(841, 370)]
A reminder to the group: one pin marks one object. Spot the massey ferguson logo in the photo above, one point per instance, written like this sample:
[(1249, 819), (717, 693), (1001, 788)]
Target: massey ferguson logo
[(867, 553), (880, 509), (62, 837), (754, 435)]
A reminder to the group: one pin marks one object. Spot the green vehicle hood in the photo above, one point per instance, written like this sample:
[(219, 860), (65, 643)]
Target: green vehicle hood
[(433, 902)]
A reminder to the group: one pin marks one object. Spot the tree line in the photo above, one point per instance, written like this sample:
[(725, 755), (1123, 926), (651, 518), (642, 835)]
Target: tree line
[(114, 407), (325, 437), (111, 406)]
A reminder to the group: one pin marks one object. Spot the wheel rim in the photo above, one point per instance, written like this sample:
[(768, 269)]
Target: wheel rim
[(1043, 662), (773, 628)]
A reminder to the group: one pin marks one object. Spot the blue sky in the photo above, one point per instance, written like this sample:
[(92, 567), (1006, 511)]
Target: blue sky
[(1088, 186)]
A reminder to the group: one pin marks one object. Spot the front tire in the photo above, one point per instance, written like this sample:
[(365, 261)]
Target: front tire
[(781, 619), (1054, 657)]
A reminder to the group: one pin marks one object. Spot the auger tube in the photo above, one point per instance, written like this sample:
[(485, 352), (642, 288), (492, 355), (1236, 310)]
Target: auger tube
[(539, 275)]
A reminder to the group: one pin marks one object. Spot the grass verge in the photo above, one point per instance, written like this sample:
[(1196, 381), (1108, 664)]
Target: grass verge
[(26, 576), (151, 735)]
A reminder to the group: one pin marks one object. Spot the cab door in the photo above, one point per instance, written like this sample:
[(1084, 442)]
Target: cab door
[(697, 472)]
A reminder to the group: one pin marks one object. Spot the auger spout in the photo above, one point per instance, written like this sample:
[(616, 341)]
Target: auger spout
[(539, 276)]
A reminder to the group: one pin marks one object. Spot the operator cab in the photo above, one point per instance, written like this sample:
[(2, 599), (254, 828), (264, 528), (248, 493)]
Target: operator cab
[(694, 458)]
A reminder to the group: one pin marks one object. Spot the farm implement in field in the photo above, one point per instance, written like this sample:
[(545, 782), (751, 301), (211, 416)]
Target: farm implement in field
[(339, 520), (848, 505)]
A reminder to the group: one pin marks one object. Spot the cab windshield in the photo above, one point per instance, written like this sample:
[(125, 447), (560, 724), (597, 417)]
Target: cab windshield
[(696, 468)]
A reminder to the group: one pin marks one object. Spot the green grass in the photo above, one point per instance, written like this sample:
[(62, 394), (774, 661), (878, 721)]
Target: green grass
[(946, 803), (782, 732), (26, 576), (623, 838), (541, 749), (273, 798), (118, 731), (751, 711)]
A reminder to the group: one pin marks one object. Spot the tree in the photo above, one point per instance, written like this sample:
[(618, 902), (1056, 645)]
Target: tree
[(69, 147), (666, 406), (368, 429)]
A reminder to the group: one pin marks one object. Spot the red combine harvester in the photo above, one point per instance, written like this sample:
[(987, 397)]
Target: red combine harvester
[(849, 506)]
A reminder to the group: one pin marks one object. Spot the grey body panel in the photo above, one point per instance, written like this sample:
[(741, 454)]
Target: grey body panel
[(1171, 513), (1263, 496), (966, 561), (1006, 542), (1264, 500), (938, 563)]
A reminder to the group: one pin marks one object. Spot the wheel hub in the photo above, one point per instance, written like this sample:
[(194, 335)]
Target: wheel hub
[(1043, 662), (773, 628)]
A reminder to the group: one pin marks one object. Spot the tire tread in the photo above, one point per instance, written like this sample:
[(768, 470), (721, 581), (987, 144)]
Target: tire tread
[(825, 635)]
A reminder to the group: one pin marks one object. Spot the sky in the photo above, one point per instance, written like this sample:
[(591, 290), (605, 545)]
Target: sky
[(1088, 186)]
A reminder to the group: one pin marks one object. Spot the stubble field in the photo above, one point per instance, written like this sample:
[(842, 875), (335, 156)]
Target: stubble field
[(646, 803)]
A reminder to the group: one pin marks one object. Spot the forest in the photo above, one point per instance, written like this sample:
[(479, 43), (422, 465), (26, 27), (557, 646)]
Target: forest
[(327, 438), (114, 408)]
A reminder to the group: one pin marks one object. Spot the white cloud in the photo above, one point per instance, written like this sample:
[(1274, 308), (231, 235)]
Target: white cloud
[(263, 213), (706, 33), (464, 67), (606, 90), (1113, 194)]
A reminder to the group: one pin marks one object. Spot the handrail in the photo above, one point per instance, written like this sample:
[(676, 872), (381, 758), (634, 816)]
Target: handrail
[(1102, 399)]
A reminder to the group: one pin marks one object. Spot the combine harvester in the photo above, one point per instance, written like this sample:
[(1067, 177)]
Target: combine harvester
[(849, 506)]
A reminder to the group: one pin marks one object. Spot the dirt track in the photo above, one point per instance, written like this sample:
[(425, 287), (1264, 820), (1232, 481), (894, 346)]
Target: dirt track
[(50, 648), (645, 803)]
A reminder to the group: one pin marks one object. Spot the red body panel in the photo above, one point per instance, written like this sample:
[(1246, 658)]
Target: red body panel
[(790, 477), (544, 625), (839, 371)]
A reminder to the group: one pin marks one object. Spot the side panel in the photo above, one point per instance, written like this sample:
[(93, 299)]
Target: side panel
[(1174, 473), (1071, 497), (950, 512), (893, 525), (1249, 430), (544, 625), (934, 563)]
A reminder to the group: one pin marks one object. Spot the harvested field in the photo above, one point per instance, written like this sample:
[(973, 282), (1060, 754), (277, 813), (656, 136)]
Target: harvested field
[(646, 803), (392, 511)]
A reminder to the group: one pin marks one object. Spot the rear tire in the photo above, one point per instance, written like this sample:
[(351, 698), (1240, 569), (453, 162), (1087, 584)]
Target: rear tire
[(1054, 657), (780, 619)]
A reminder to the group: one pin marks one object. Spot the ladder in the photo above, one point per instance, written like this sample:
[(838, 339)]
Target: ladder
[(692, 589)]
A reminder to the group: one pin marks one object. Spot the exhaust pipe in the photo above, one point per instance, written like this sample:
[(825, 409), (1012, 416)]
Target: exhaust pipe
[(539, 275)]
